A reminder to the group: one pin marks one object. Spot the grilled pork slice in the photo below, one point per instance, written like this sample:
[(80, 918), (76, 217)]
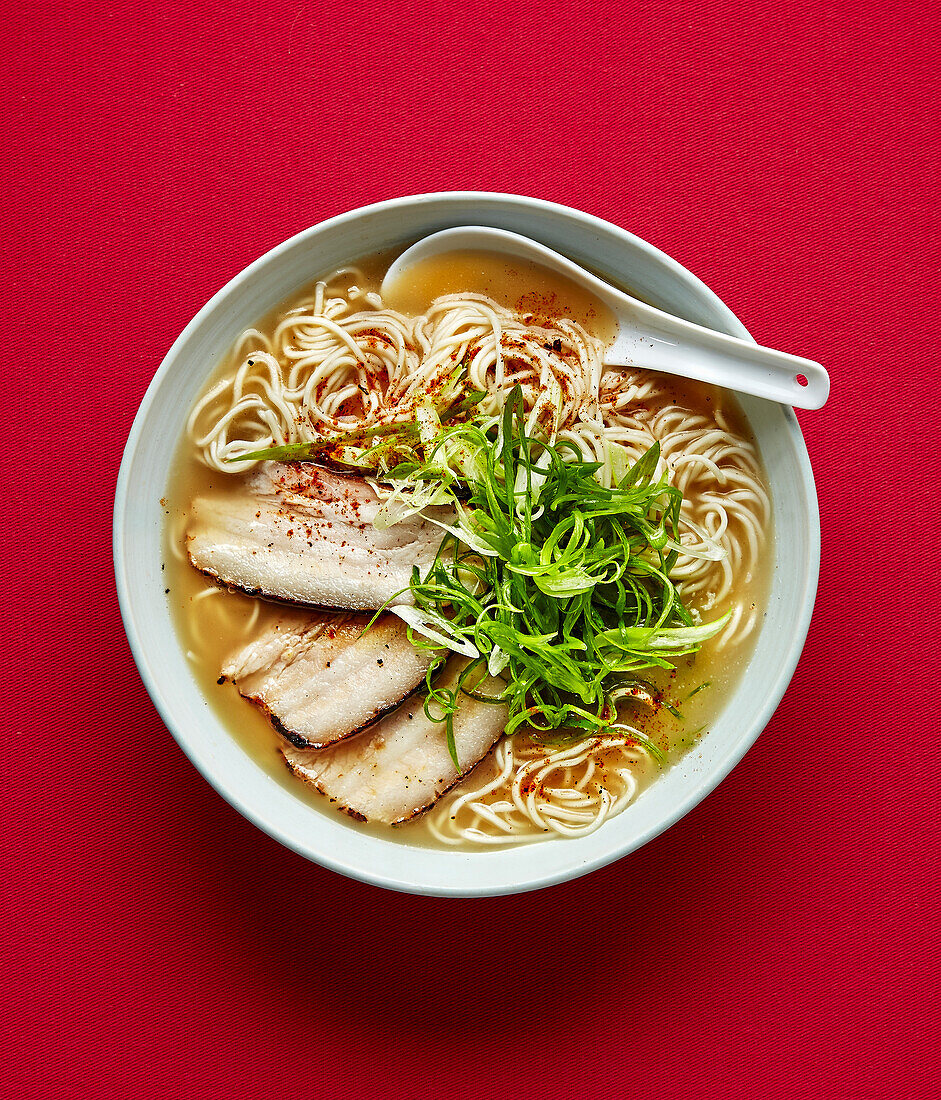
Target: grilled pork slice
[(401, 765), (305, 534), (320, 678)]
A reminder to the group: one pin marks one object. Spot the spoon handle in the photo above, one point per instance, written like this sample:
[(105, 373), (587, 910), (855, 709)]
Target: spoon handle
[(656, 340)]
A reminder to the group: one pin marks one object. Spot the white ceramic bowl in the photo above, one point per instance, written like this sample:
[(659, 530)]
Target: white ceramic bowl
[(326, 837)]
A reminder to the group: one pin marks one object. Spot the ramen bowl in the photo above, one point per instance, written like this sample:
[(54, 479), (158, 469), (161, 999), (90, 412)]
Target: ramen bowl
[(322, 835)]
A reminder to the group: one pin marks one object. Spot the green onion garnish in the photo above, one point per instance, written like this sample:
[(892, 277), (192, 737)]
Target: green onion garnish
[(545, 578)]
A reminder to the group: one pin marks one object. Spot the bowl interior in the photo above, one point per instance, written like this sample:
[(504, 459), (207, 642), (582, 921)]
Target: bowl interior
[(324, 836)]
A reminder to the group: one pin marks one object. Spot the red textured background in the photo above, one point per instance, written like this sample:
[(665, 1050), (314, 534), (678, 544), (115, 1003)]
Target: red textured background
[(782, 940)]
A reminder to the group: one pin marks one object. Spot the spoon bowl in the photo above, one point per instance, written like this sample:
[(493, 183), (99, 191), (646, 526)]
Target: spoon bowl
[(647, 337)]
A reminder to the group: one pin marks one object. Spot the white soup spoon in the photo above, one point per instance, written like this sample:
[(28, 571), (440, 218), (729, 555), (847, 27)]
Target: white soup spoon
[(647, 337)]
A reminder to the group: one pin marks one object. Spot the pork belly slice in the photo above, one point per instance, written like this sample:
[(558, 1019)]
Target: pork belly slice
[(305, 534), (401, 766), (320, 678)]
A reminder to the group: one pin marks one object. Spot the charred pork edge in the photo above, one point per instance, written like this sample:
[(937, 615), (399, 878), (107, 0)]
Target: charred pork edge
[(300, 742), (284, 601)]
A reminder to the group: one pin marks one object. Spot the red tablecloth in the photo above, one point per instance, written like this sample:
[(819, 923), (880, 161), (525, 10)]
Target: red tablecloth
[(781, 939)]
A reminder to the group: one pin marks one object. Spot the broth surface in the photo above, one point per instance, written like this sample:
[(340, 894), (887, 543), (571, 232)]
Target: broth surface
[(519, 285)]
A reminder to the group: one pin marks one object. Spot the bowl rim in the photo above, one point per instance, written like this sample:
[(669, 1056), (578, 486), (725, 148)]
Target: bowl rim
[(719, 770)]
